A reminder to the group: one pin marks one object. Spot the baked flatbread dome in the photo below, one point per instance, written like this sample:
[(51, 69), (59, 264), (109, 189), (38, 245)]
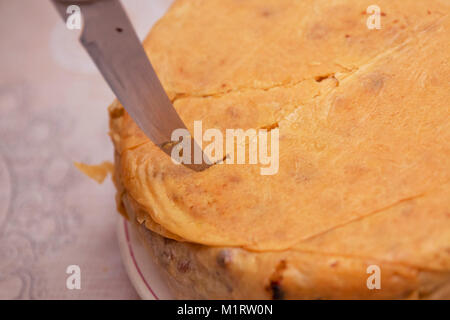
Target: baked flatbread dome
[(364, 171)]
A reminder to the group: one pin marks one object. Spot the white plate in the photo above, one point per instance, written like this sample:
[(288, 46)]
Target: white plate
[(142, 271)]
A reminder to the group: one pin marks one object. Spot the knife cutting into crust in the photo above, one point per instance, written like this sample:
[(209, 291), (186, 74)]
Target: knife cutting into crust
[(111, 41)]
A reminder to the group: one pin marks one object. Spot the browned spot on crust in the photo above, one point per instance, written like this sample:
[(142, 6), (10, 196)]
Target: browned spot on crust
[(340, 105), (318, 31), (235, 179), (270, 126), (175, 198), (323, 77), (266, 13), (334, 264), (373, 82), (115, 113), (408, 211), (355, 172), (232, 112)]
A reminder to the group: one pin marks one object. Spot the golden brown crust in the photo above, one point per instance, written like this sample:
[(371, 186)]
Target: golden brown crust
[(364, 144)]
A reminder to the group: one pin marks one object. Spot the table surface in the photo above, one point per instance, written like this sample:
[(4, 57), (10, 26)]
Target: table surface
[(53, 105)]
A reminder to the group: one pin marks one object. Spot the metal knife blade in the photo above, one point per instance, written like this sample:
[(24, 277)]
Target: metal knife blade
[(111, 41)]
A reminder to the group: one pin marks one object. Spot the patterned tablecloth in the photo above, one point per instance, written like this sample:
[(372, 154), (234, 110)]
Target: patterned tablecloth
[(53, 112)]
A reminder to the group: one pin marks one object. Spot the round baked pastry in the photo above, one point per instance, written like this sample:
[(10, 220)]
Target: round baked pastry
[(364, 150)]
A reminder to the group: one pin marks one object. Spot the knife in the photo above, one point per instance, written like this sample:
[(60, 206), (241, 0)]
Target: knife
[(111, 41)]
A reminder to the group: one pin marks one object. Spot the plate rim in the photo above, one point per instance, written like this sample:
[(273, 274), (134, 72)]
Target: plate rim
[(135, 260)]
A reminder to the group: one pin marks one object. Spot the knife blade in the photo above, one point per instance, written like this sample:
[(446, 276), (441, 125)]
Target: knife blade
[(111, 41)]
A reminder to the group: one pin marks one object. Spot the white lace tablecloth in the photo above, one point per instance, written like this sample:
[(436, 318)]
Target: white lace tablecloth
[(53, 112)]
